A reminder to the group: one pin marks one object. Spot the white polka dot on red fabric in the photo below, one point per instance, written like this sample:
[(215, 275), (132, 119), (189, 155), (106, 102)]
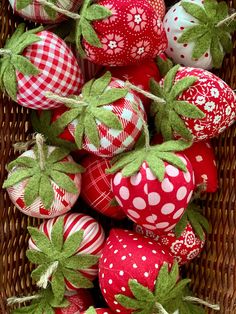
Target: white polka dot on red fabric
[(121, 273), (139, 203), (151, 218), (181, 193), (183, 160), (189, 196), (178, 213), (199, 158), (136, 179), (153, 198), (156, 266), (150, 227), (172, 171), (104, 290), (162, 225), (145, 188), (167, 208), (123, 258), (117, 178), (144, 258), (140, 246), (166, 185), (170, 228), (154, 252), (123, 289), (187, 176), (133, 214), (135, 266), (124, 193), (116, 251), (150, 175), (146, 274)]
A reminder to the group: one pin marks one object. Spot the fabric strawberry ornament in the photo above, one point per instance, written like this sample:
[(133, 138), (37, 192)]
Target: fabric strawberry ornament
[(36, 61), (103, 119), (43, 11), (92, 310), (136, 276), (66, 250), (159, 7), (96, 187), (43, 182), (199, 33)]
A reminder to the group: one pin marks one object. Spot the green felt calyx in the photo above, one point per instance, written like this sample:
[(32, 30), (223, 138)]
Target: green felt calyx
[(91, 310), (11, 59), (44, 304), (193, 216), (130, 162), (212, 30), (22, 4), (63, 252), (87, 109), (84, 29), (164, 65), (168, 115), (167, 296), (47, 167)]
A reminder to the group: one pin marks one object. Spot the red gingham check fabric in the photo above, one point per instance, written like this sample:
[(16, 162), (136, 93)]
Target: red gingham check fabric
[(59, 69), (96, 187), (36, 13), (113, 142)]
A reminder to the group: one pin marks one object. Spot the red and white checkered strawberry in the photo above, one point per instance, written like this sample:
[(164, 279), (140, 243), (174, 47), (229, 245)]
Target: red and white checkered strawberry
[(92, 310), (44, 182), (103, 119), (36, 61), (40, 12), (66, 250), (199, 33), (135, 275), (154, 185), (96, 187), (193, 104)]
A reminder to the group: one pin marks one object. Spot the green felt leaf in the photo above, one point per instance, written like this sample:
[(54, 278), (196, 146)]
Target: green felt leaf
[(216, 52), (23, 161), (91, 310), (30, 309), (37, 257), (193, 219), (78, 40), (111, 96), (39, 271), (64, 181), (169, 78), (68, 167), (66, 118), (29, 39), (77, 279), (210, 7), (81, 261), (173, 146), (89, 33), (173, 160), (118, 165), (58, 154), (177, 290), (201, 45), (182, 85), (21, 4), (57, 234), (165, 127), (191, 34), (16, 177), (100, 84), (140, 292), (86, 90), (16, 35), (164, 65), (9, 81), (24, 66), (50, 12), (114, 202), (158, 124), (79, 132), (221, 11), (188, 110), (133, 167), (226, 41), (127, 302), (32, 189), (91, 130), (179, 126), (72, 243), (157, 167), (97, 12), (181, 225), (58, 285), (40, 240), (108, 118), (155, 88), (46, 192), (3, 66), (195, 10)]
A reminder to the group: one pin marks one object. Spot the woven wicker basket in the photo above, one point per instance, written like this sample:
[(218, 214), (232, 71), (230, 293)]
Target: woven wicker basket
[(213, 275)]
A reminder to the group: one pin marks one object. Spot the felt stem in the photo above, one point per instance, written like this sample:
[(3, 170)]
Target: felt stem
[(215, 307), (5, 52), (23, 146), (43, 281), (227, 20), (14, 300), (40, 144), (64, 100), (160, 309), (51, 5), (145, 93)]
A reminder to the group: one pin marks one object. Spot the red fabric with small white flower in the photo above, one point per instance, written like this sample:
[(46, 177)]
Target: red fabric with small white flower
[(59, 73), (159, 7), (133, 33), (93, 239), (128, 255), (157, 206), (184, 249), (96, 187), (35, 12)]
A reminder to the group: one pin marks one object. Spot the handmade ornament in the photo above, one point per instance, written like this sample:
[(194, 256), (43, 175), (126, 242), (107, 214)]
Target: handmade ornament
[(164, 64), (66, 250), (34, 62), (138, 75), (136, 275), (41, 11), (96, 187), (44, 182), (192, 104), (104, 118), (92, 310), (159, 7), (199, 33)]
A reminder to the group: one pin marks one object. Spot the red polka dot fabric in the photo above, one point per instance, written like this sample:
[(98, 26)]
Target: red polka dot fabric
[(157, 206)]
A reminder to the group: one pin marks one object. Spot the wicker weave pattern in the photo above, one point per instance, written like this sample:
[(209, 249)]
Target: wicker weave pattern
[(214, 274)]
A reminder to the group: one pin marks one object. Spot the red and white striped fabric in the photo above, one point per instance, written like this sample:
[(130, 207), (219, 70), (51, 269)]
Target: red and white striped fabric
[(113, 142), (36, 13), (96, 187), (92, 243), (63, 201), (59, 73)]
